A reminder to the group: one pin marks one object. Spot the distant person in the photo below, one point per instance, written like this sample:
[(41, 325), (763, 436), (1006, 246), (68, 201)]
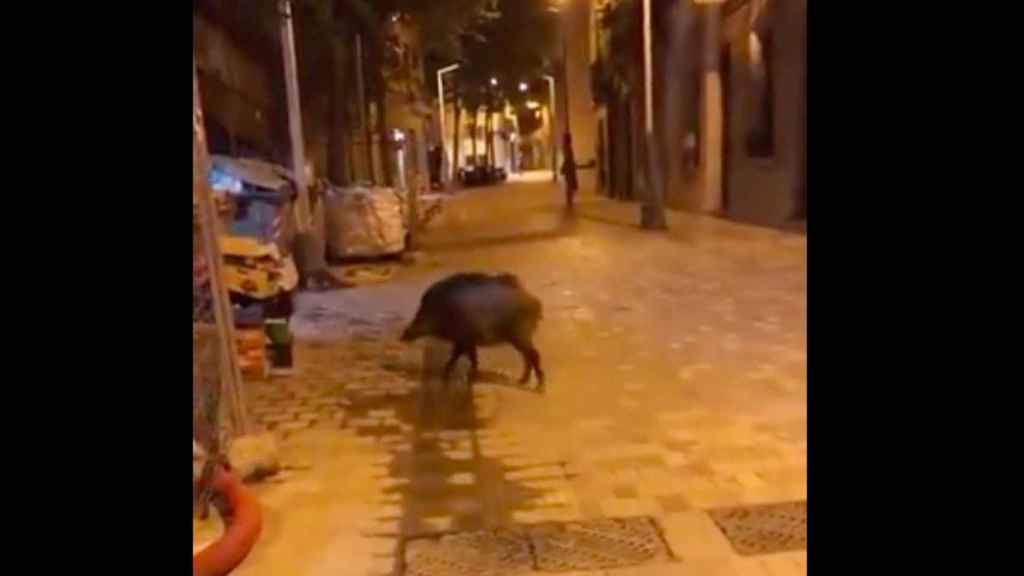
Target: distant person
[(572, 183), (569, 168)]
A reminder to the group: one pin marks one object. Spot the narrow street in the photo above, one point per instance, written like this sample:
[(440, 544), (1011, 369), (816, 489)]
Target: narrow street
[(676, 385)]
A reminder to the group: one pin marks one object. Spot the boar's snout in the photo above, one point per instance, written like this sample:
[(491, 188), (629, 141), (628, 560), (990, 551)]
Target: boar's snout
[(413, 331)]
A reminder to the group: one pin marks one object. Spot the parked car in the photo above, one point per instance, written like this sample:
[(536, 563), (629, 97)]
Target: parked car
[(482, 175)]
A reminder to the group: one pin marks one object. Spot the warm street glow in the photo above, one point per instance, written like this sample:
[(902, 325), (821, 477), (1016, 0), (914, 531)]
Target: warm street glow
[(406, 272), (755, 49)]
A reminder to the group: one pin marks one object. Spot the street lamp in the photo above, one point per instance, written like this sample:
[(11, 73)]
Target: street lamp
[(440, 106), (554, 145), (494, 81), (523, 87)]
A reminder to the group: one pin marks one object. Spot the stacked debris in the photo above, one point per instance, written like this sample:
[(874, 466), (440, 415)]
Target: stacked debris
[(364, 221)]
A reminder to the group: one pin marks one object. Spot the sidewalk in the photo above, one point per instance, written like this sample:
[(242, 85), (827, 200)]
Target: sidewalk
[(676, 388), (686, 225)]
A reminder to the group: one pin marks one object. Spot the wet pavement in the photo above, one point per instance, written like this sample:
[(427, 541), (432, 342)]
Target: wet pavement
[(677, 387)]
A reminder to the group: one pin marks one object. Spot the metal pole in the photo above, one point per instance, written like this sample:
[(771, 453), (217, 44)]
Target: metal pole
[(440, 110), (551, 125), (440, 91), (230, 373), (648, 72), (294, 114)]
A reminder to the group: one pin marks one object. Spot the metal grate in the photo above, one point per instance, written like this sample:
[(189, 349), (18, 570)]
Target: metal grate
[(541, 548), (597, 545), (766, 529), (503, 552)]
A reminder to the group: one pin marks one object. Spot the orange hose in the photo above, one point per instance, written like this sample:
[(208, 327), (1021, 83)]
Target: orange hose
[(246, 522)]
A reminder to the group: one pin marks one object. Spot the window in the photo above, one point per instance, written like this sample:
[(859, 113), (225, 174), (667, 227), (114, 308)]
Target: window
[(761, 138)]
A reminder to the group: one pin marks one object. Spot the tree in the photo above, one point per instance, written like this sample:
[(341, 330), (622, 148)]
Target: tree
[(511, 44), (325, 36)]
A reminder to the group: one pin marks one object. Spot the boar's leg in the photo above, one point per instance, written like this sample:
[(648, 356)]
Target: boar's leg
[(471, 351), (535, 360), (458, 350), (531, 361)]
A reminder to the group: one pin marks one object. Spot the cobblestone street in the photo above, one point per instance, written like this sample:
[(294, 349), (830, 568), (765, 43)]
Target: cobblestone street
[(676, 388)]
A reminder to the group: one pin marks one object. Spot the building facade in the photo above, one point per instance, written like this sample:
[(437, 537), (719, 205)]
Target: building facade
[(729, 92), (239, 102), (764, 73)]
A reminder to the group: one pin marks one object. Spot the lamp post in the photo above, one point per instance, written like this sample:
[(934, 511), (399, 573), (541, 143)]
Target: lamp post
[(440, 110), (294, 115), (554, 144)]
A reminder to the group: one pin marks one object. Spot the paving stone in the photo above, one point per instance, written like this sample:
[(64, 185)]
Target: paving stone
[(292, 426), (463, 479), (629, 507), (540, 472), (693, 536)]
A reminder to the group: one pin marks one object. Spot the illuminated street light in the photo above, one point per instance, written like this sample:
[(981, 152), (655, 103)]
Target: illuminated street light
[(440, 111), (551, 106), (494, 81), (523, 87)]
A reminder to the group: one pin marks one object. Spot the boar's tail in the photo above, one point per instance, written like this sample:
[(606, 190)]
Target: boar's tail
[(536, 309)]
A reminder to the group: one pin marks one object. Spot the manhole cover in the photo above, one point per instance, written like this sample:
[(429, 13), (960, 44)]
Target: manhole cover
[(481, 553), (768, 529), (597, 544)]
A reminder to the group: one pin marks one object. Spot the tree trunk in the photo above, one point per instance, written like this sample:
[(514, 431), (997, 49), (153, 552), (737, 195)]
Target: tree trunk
[(382, 119), (363, 105), (337, 135)]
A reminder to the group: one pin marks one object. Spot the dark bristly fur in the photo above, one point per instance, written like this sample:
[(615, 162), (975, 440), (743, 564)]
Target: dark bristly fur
[(472, 309)]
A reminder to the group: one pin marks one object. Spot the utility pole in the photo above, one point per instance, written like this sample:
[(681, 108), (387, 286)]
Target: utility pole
[(294, 116)]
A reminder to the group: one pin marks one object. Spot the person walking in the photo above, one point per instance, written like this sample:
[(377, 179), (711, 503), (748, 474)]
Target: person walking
[(569, 167)]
